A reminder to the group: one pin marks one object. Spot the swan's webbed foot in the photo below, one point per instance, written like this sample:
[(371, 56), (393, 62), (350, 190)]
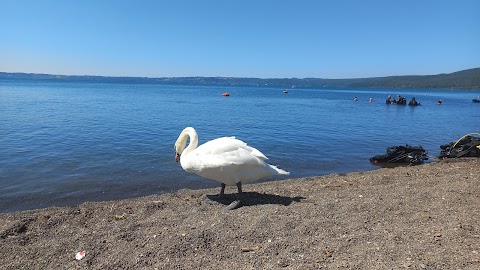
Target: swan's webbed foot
[(238, 202), (234, 205)]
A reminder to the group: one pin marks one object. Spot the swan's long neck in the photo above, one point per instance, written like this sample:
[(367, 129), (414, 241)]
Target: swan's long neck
[(186, 133)]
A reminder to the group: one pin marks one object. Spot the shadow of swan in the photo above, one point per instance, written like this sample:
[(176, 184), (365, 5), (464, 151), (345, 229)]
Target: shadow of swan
[(255, 198)]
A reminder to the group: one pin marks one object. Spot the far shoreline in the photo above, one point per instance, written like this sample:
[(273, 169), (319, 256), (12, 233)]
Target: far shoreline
[(468, 79)]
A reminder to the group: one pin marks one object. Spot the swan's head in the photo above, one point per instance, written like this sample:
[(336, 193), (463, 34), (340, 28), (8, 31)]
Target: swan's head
[(180, 145), (181, 142)]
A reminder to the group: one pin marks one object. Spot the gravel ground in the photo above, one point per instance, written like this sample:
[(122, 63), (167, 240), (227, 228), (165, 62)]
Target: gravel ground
[(420, 217)]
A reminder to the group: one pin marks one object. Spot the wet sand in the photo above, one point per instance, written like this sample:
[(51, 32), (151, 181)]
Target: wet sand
[(419, 217)]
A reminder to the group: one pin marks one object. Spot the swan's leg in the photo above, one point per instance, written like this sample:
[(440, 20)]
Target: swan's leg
[(237, 203), (222, 191), (219, 196)]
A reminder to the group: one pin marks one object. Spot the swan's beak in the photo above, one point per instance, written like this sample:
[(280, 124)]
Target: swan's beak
[(177, 157)]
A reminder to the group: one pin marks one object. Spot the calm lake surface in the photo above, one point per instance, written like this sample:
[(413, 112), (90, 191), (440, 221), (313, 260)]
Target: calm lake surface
[(64, 143)]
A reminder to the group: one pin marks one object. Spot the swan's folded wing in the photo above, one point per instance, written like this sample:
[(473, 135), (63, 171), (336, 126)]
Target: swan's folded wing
[(220, 145), (227, 145), (230, 167), (226, 151)]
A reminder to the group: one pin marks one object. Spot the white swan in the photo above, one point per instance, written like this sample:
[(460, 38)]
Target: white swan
[(226, 160)]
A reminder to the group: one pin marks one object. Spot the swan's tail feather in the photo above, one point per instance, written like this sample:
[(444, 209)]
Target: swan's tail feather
[(278, 170), (257, 153)]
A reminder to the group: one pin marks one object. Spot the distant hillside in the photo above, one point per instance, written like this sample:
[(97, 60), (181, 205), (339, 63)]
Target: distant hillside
[(465, 79)]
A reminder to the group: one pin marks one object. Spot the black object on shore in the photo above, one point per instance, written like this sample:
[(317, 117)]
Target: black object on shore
[(467, 146), (406, 155)]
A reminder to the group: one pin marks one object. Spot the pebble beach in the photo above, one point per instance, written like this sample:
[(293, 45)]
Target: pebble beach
[(417, 217)]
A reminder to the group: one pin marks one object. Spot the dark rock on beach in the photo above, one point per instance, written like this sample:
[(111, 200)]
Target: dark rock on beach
[(418, 217)]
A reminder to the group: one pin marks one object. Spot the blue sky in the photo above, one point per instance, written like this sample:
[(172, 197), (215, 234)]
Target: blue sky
[(265, 39)]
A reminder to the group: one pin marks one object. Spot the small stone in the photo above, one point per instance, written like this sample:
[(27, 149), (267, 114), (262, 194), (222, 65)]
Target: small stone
[(328, 253), (249, 249)]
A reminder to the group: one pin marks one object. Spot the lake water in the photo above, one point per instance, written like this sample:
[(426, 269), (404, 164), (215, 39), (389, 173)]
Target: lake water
[(64, 143)]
